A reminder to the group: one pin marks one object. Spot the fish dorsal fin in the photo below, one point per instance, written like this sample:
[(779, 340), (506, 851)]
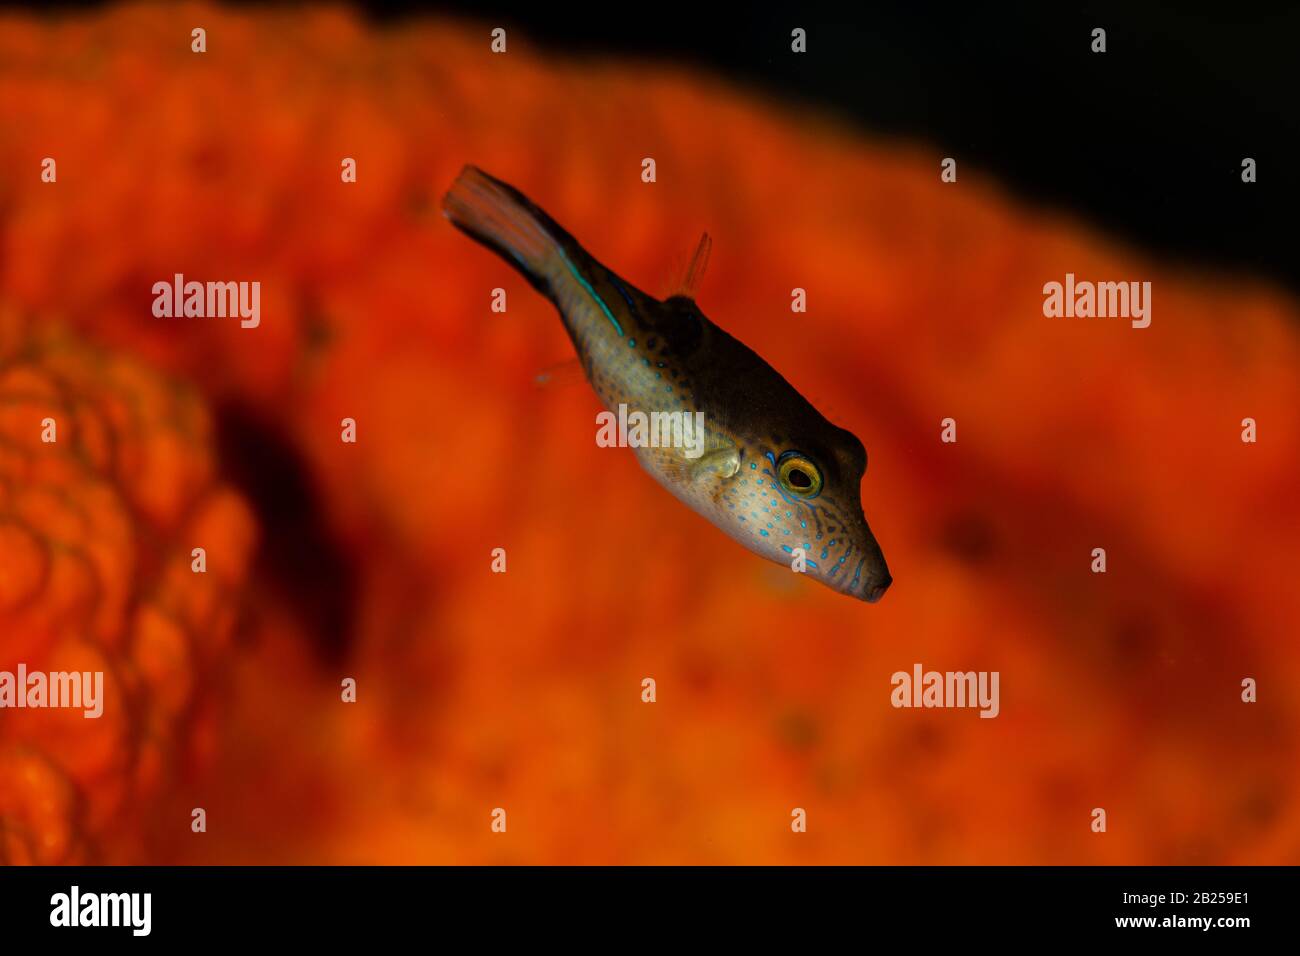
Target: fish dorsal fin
[(690, 282)]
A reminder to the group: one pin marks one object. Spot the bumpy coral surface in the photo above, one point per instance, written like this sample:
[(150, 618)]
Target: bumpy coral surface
[(107, 487)]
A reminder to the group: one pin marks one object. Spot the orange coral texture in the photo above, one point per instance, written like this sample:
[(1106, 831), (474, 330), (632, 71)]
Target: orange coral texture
[(522, 691), (105, 478)]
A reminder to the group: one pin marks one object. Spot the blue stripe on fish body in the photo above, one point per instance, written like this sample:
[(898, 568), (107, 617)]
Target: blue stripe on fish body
[(623, 292), (587, 285)]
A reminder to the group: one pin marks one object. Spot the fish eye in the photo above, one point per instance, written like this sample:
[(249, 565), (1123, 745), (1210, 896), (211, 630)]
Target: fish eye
[(798, 475)]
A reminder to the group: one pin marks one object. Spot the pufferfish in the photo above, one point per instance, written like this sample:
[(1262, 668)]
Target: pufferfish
[(771, 471)]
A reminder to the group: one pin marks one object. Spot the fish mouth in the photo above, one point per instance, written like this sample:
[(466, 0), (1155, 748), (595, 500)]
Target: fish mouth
[(873, 584), (869, 587), (875, 589)]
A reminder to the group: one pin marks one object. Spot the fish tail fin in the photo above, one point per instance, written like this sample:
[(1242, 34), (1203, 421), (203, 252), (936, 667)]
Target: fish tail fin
[(506, 221)]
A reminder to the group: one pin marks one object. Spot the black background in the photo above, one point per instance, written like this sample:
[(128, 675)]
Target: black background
[(1144, 141), (638, 909)]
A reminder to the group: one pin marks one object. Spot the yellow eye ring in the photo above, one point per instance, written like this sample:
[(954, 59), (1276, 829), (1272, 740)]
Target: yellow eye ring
[(799, 476)]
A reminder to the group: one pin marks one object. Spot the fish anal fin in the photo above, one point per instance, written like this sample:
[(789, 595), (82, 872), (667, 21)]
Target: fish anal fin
[(561, 374)]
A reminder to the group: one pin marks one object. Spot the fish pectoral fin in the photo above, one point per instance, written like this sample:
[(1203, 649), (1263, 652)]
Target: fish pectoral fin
[(719, 463)]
